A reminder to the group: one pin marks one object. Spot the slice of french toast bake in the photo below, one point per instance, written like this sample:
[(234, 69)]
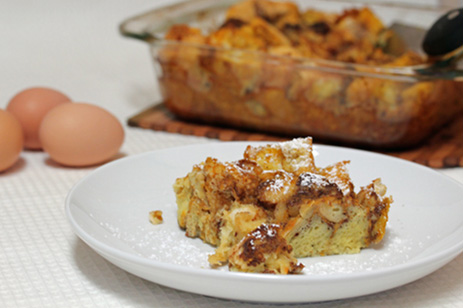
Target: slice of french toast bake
[(275, 205)]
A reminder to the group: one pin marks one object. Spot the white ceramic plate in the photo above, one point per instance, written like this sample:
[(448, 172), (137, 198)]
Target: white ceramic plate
[(108, 210)]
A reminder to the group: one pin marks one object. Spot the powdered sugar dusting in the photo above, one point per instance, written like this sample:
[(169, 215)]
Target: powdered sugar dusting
[(277, 184), (265, 231), (280, 183), (343, 185), (299, 152), (309, 179), (297, 143), (154, 242)]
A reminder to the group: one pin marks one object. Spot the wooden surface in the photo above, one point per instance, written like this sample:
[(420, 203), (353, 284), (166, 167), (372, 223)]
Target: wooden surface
[(442, 150)]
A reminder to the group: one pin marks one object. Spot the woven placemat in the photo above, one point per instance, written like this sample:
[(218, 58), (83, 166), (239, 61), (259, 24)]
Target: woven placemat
[(444, 149)]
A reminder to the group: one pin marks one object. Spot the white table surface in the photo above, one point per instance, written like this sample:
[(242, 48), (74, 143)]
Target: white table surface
[(74, 46)]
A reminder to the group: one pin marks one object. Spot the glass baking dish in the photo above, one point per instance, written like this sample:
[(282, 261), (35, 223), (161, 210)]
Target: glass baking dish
[(332, 101)]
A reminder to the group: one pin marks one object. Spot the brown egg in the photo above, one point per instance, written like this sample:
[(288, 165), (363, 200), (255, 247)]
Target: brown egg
[(30, 106), (11, 140), (80, 134)]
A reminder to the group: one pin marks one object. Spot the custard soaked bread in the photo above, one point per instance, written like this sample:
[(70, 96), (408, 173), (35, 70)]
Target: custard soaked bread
[(275, 205), (276, 68)]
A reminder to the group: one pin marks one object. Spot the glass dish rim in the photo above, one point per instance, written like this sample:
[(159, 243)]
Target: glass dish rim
[(141, 27)]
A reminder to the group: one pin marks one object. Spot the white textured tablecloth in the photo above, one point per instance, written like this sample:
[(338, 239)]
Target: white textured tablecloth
[(74, 46)]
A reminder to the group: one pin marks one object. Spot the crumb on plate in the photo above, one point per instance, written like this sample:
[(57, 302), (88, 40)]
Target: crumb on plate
[(156, 217)]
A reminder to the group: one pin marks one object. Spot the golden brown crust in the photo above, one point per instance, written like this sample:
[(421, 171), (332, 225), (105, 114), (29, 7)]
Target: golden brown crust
[(280, 28), (264, 250)]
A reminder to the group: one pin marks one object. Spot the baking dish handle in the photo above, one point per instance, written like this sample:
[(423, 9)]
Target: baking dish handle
[(455, 75), (436, 73), (449, 69)]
